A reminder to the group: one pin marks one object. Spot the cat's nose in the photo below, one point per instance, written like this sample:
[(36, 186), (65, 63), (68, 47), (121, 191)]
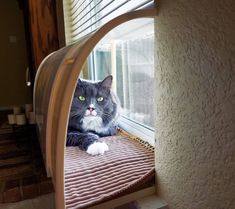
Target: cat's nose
[(91, 109)]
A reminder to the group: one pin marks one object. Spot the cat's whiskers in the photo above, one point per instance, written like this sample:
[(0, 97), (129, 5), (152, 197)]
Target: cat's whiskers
[(107, 117), (107, 114), (75, 114), (72, 114)]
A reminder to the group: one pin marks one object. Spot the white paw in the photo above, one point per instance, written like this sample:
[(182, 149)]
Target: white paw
[(97, 148)]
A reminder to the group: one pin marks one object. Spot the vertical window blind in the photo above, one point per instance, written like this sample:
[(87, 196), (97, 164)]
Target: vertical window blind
[(85, 16)]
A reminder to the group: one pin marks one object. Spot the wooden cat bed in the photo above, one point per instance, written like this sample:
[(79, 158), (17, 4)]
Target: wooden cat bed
[(71, 173)]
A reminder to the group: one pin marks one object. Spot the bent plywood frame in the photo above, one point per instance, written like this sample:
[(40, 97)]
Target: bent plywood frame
[(54, 88)]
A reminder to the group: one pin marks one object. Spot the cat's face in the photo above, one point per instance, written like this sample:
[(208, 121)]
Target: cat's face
[(93, 101)]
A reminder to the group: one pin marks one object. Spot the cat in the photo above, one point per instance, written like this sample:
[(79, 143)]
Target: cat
[(93, 114)]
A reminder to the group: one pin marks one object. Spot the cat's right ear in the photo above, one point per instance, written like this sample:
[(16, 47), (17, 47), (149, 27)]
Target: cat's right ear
[(79, 82)]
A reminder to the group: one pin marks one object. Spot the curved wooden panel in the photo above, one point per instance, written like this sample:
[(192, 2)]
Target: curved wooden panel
[(54, 88)]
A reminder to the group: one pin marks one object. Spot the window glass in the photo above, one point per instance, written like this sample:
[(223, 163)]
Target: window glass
[(128, 54)]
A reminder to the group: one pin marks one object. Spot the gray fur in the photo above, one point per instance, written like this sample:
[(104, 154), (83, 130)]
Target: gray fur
[(84, 130)]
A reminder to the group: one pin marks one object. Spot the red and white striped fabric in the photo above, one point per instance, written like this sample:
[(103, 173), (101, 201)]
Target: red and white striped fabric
[(90, 180)]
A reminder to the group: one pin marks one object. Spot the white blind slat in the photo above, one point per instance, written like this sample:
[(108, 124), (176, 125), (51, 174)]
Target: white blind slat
[(83, 16)]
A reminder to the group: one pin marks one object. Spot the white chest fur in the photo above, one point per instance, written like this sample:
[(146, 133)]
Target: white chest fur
[(91, 123)]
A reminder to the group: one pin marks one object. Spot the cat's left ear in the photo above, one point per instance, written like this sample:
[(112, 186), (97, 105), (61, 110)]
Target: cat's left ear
[(107, 82)]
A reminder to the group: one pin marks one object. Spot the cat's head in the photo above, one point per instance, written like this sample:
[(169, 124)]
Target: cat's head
[(94, 100)]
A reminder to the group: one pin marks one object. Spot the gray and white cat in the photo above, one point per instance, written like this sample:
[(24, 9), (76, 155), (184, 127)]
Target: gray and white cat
[(94, 112)]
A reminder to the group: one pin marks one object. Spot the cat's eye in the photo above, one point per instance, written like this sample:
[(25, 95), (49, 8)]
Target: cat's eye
[(100, 99), (82, 98)]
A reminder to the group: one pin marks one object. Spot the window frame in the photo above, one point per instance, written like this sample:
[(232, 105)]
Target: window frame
[(124, 122)]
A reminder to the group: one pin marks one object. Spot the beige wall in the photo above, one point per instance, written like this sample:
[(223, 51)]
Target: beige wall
[(13, 90), (195, 103)]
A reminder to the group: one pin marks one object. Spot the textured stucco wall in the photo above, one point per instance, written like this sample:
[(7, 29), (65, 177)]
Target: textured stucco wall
[(195, 103)]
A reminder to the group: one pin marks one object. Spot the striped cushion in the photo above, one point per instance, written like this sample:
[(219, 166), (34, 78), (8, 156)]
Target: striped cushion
[(93, 179)]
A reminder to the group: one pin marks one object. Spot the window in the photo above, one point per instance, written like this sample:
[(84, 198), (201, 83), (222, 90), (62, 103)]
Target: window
[(126, 52), (85, 16), (129, 58)]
